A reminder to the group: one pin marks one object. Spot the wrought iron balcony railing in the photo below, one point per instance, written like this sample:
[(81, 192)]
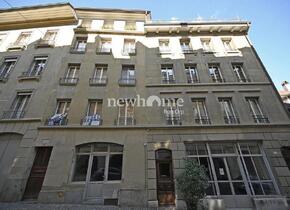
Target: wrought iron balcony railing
[(98, 81), (68, 81), (202, 120), (127, 81), (125, 121), (45, 43), (231, 120), (260, 119)]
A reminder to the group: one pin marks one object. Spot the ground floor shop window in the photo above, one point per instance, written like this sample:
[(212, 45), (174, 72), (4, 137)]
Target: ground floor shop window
[(98, 162), (234, 168)]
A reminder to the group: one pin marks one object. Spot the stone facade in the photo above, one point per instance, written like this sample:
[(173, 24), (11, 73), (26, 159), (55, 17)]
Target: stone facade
[(148, 130)]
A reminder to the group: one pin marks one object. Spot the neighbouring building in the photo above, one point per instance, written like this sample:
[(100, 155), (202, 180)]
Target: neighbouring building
[(90, 112), (285, 95)]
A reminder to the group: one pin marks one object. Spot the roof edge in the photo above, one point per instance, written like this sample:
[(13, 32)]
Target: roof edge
[(114, 10)]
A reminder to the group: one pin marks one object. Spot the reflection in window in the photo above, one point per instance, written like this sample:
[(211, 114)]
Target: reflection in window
[(233, 169), (104, 162)]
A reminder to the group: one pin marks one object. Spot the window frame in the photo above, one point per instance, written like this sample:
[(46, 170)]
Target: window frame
[(229, 111), (238, 69), (167, 68), (189, 69), (33, 64), (6, 60), (212, 67), (201, 118)]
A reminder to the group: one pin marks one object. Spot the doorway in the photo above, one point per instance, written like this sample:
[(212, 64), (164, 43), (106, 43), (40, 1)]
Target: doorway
[(165, 181), (37, 173)]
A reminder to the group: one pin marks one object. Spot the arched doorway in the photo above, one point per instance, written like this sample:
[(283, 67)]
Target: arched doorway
[(164, 174)]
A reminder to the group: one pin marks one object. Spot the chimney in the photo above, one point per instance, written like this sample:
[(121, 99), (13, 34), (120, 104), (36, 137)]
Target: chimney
[(286, 86)]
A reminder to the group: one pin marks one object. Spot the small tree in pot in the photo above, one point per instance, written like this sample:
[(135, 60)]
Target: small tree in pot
[(192, 183)]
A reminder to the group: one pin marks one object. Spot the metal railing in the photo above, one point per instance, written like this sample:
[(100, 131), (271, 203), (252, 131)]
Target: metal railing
[(168, 81), (192, 81), (98, 80), (104, 50), (187, 50), (129, 51), (231, 120), (68, 81), (202, 120), (260, 119), (127, 81), (173, 120), (30, 74), (218, 80), (89, 121), (61, 122), (3, 78), (78, 50), (125, 121), (12, 114)]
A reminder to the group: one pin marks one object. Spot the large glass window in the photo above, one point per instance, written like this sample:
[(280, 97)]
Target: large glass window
[(37, 66), (256, 110), (215, 73), (129, 46), (233, 169), (191, 73), (18, 106), (167, 74), (239, 72), (172, 112), (230, 116), (200, 114), (98, 162), (126, 112)]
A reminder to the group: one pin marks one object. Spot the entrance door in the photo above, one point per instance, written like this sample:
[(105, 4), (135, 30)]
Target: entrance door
[(95, 177), (165, 182), (37, 173)]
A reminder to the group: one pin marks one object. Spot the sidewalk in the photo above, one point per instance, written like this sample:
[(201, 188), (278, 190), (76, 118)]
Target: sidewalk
[(38, 206)]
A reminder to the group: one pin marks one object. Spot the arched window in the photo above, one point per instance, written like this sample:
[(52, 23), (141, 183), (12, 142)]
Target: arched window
[(98, 162)]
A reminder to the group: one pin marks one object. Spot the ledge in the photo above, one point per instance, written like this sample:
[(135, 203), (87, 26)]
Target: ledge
[(157, 127), (23, 78), (20, 120), (207, 84)]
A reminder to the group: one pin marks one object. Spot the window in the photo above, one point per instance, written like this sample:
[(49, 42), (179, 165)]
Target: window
[(239, 72), (230, 116), (18, 106), (60, 114), (214, 72), (285, 150), (233, 169), (62, 106), (191, 73), (23, 39), (102, 161), (80, 45), (7, 67), (200, 111), (172, 112), (167, 74), (93, 114), (185, 45), (105, 46), (127, 75), (108, 24), (130, 25), (126, 112), (49, 37), (100, 75), (256, 110), (72, 75), (164, 46), (129, 47), (206, 45), (228, 45), (37, 66)]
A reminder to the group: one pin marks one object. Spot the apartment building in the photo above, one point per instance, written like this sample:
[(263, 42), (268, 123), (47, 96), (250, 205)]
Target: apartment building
[(285, 95), (103, 106)]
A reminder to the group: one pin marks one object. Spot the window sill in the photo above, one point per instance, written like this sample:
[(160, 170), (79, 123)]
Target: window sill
[(23, 78), (206, 84), (20, 120)]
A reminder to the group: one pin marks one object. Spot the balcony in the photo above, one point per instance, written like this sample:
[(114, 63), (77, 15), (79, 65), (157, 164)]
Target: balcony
[(164, 50), (78, 50), (125, 121), (57, 120), (16, 46), (202, 120), (127, 81), (104, 51), (187, 50), (68, 81), (231, 120), (12, 114), (98, 81), (3, 78), (92, 120), (191, 81), (43, 43), (260, 119), (168, 81), (29, 75)]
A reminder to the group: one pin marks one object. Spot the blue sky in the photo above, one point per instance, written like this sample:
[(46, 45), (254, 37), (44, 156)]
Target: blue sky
[(270, 30)]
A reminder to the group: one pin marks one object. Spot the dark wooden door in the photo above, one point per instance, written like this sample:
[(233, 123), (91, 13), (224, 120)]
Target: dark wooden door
[(165, 181), (37, 173)]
